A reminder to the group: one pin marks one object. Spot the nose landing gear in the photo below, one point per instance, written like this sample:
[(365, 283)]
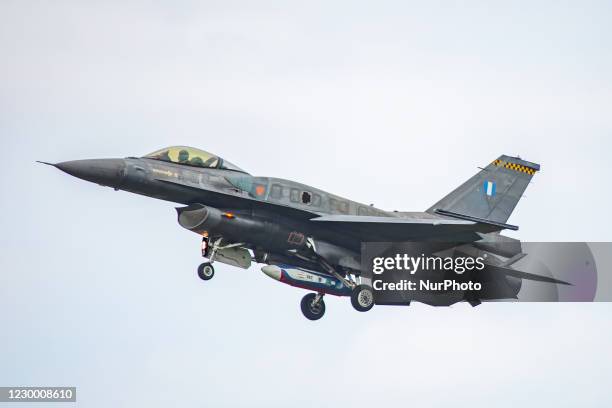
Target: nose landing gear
[(206, 271), (215, 248)]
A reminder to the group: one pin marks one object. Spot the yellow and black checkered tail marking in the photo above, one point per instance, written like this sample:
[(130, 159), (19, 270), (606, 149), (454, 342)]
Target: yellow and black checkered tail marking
[(515, 167)]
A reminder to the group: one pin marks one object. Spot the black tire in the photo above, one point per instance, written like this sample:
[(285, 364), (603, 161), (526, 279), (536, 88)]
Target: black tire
[(310, 311), (362, 298), (206, 271)]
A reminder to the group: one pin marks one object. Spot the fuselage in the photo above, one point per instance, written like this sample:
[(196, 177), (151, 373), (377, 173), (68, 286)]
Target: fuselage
[(282, 208), (277, 219)]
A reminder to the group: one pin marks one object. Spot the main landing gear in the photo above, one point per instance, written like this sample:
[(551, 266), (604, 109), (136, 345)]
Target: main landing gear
[(362, 296), (313, 306)]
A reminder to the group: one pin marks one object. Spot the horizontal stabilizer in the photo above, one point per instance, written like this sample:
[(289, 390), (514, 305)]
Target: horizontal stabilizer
[(523, 275), (476, 219)]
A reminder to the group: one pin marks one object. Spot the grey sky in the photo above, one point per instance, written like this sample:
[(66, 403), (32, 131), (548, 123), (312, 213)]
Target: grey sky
[(393, 103)]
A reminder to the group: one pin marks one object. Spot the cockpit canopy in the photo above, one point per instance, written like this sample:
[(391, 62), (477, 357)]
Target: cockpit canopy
[(191, 156)]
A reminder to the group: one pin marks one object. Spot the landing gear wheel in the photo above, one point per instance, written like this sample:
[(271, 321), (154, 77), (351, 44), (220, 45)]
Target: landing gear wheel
[(362, 298), (206, 271), (312, 310)]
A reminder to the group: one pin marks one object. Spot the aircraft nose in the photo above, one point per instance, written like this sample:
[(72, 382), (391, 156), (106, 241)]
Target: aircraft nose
[(107, 172)]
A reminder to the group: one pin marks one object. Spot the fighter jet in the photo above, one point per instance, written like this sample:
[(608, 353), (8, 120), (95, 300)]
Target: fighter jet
[(309, 238)]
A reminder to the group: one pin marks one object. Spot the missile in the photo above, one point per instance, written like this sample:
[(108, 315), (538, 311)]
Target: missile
[(306, 279)]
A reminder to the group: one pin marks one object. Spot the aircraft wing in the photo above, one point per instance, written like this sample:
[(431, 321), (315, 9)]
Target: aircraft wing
[(372, 228)]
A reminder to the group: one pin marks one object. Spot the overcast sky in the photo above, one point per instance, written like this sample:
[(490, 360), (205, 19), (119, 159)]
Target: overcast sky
[(392, 103)]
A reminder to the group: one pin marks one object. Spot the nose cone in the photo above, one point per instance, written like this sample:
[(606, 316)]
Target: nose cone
[(272, 271), (107, 172)]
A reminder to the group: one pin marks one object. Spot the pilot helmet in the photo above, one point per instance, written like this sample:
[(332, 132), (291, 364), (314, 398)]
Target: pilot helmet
[(183, 155)]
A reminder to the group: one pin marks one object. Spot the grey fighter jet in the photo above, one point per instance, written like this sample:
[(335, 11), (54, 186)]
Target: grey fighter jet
[(310, 238)]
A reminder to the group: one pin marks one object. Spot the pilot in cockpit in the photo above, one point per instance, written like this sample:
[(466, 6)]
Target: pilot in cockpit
[(192, 157), (197, 161), (183, 157)]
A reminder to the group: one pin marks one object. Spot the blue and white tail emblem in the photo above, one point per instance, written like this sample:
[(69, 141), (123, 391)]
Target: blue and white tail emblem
[(489, 188)]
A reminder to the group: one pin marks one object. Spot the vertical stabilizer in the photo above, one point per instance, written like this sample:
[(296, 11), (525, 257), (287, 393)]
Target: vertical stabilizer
[(493, 193)]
